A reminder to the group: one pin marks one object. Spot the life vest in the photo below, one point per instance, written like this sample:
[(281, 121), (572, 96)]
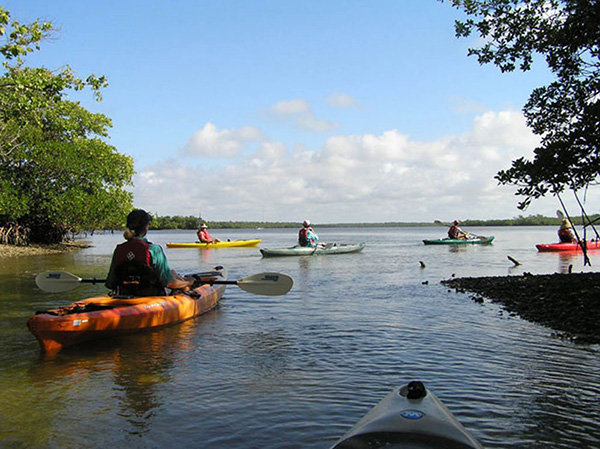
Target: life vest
[(134, 271), (302, 238), (453, 231), (564, 235)]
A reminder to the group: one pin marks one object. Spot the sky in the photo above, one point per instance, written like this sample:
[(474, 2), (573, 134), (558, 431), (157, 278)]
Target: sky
[(329, 110)]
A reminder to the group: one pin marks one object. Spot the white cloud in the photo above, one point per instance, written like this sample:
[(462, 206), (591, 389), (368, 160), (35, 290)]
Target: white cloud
[(341, 100), (211, 142), (353, 178), (300, 114), (292, 107)]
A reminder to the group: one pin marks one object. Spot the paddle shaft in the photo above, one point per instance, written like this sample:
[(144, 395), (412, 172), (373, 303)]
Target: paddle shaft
[(101, 281), (268, 284)]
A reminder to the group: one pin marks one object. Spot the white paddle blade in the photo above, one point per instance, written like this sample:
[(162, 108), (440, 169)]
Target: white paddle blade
[(267, 284), (57, 281)]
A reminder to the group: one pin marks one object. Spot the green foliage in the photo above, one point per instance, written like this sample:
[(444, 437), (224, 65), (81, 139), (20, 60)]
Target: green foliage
[(57, 174), (565, 113), (174, 222), (177, 222)]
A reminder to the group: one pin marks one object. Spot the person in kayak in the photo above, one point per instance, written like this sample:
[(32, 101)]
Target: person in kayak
[(307, 236), (139, 267), (565, 232), (204, 236), (456, 233)]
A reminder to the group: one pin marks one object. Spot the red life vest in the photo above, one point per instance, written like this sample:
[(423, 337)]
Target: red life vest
[(302, 239), (134, 271), (453, 231), (565, 236)]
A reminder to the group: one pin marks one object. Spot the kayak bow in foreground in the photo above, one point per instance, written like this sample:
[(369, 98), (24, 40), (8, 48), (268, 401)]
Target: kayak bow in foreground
[(410, 417)]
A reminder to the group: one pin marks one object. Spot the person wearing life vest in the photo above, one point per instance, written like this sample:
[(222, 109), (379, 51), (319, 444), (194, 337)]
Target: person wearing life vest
[(307, 236), (565, 232), (455, 232), (139, 267), (204, 236)]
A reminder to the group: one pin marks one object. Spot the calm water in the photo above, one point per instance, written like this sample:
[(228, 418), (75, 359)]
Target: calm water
[(297, 371)]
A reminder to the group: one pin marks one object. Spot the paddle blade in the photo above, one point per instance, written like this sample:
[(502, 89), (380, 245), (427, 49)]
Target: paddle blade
[(57, 281), (267, 284)]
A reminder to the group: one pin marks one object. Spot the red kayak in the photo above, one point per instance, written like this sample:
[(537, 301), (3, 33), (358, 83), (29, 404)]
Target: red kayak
[(554, 247)]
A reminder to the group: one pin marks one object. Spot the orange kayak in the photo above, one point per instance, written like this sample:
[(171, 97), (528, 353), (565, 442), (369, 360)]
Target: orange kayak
[(106, 316)]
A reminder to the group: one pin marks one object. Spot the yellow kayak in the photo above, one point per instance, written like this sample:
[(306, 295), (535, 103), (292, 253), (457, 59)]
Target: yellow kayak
[(226, 244)]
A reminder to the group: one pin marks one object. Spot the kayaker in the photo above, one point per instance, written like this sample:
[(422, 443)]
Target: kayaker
[(204, 236), (565, 232), (139, 267), (307, 236), (456, 233)]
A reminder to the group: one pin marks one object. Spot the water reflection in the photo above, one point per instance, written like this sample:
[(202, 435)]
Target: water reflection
[(566, 262)]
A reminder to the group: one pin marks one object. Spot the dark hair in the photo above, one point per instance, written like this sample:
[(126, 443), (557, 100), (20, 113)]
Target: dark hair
[(137, 220)]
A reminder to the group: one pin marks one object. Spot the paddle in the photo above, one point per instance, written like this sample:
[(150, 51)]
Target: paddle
[(267, 284)]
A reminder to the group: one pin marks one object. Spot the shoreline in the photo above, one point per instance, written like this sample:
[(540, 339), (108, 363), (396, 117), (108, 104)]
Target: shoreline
[(568, 304), (7, 251)]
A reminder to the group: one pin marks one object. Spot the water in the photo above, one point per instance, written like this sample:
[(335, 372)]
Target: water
[(297, 371)]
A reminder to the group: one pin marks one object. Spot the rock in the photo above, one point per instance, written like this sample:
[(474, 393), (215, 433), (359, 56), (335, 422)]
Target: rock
[(567, 303)]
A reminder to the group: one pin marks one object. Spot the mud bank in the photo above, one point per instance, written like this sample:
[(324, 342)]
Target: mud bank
[(567, 303)]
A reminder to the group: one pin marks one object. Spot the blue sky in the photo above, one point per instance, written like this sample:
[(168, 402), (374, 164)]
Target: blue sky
[(336, 111)]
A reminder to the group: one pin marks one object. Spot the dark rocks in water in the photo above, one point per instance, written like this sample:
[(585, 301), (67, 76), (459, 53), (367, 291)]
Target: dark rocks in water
[(567, 303)]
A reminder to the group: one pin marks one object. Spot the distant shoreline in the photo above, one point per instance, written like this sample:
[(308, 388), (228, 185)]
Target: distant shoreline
[(286, 225)]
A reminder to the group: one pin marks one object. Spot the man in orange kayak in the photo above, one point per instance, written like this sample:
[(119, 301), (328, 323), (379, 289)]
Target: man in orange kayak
[(139, 267), (204, 236)]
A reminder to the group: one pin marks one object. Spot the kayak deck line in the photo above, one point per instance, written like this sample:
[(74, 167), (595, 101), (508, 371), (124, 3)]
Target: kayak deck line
[(412, 417)]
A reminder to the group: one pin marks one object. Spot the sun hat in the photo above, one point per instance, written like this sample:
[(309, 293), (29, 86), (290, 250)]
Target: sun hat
[(306, 223), (566, 224)]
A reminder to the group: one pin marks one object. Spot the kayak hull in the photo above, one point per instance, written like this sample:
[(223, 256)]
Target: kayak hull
[(105, 316), (400, 422), (557, 247), (318, 251), (227, 244), (446, 241)]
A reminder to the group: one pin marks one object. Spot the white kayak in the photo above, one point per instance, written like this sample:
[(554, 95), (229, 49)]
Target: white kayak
[(329, 248), (410, 417)]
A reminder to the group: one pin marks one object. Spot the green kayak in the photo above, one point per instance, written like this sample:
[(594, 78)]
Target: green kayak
[(330, 248), (410, 417), (470, 241)]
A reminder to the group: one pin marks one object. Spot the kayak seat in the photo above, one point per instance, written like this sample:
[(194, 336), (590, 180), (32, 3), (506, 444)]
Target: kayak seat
[(137, 279)]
